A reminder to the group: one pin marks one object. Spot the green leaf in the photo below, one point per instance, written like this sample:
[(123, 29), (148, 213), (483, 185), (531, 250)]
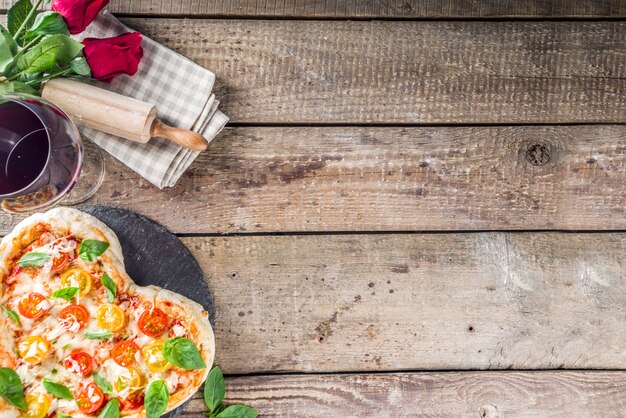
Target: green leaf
[(103, 384), (238, 411), (54, 49), (91, 249), (17, 87), (67, 293), (183, 353), (81, 67), (156, 399), (110, 286), (110, 410), (17, 15), (57, 389), (11, 388), (64, 416), (47, 23), (214, 389), (12, 314), (33, 259), (98, 334), (8, 49)]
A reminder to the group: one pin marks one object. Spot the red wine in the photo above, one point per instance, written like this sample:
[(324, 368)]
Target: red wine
[(40, 154), (24, 147)]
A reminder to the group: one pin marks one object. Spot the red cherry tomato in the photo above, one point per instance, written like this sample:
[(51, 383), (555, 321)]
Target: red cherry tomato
[(33, 306), (124, 353), (79, 362), (133, 401), (60, 262), (153, 322), (72, 315), (90, 398)]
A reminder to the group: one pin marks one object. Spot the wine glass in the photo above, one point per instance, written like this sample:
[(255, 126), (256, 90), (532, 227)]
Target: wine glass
[(42, 156)]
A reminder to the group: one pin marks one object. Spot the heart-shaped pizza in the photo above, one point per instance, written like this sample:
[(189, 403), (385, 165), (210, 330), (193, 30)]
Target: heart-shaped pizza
[(80, 338)]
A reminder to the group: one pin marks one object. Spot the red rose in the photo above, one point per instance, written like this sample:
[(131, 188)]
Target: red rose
[(110, 57), (78, 14)]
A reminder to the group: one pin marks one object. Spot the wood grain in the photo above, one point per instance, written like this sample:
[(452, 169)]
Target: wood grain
[(285, 72), (377, 9), (416, 302), (469, 394), (388, 179)]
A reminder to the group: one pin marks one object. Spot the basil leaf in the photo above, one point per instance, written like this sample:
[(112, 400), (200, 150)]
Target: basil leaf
[(91, 249), (8, 48), (110, 410), (11, 388), (47, 23), (17, 15), (67, 293), (33, 259), (98, 334), (214, 389), (52, 50), (81, 67), (17, 87), (110, 286), (12, 314), (57, 389), (238, 411), (183, 353), (64, 416), (156, 399), (103, 384)]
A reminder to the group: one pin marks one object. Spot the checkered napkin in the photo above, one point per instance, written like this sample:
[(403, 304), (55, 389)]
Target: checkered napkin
[(180, 89)]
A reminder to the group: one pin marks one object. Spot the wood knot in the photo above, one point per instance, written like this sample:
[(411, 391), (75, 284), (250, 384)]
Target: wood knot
[(488, 411), (538, 154)]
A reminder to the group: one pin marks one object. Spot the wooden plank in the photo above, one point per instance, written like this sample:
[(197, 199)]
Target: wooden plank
[(285, 72), (320, 303), (402, 9), (366, 179), (469, 394), (377, 9)]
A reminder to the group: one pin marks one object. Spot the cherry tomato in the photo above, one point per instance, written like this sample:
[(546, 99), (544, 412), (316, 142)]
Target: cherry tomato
[(60, 262), (133, 401), (153, 322), (74, 317), (111, 317), (153, 356), (90, 398), (33, 306), (37, 405), (124, 353), (131, 380), (77, 277), (33, 349), (79, 363)]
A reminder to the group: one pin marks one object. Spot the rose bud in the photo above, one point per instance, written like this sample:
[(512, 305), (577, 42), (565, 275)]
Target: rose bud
[(78, 14), (110, 57)]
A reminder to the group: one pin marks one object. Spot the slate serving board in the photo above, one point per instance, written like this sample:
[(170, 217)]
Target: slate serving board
[(155, 256)]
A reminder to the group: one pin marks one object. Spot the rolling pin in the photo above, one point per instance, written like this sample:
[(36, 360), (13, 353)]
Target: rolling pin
[(115, 114)]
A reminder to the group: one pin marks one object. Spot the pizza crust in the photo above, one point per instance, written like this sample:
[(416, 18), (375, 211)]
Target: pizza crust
[(84, 226)]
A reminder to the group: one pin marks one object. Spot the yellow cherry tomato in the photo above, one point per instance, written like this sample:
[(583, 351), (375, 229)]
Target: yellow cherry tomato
[(111, 317), (153, 356), (37, 404), (77, 278), (131, 380), (33, 349)]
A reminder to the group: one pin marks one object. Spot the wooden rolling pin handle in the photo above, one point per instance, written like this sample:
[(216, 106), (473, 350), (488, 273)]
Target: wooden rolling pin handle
[(187, 139)]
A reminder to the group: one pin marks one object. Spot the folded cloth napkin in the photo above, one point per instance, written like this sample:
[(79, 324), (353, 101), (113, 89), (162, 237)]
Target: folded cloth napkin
[(179, 88)]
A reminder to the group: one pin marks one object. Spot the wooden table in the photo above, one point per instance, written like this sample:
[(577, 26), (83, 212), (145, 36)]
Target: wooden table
[(416, 209)]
